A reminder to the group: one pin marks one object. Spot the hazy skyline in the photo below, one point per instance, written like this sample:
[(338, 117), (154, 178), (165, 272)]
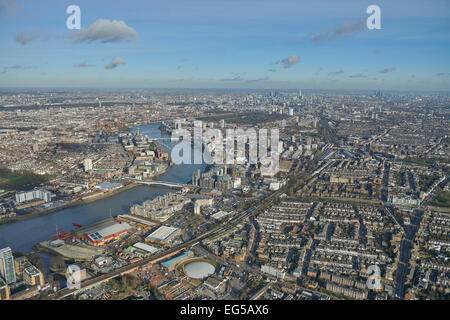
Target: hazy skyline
[(226, 44)]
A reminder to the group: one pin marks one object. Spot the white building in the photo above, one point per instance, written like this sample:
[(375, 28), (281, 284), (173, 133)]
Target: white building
[(88, 164), (34, 194), (237, 182), (163, 234), (273, 271)]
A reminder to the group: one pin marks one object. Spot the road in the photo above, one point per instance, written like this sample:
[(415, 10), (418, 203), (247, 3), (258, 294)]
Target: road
[(405, 254), (328, 133)]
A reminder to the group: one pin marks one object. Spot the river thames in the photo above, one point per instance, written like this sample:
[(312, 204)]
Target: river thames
[(22, 235)]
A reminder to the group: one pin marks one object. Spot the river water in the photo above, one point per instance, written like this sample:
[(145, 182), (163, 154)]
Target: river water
[(22, 235)]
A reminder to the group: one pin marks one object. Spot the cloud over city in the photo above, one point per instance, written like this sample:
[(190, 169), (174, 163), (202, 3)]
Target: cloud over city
[(83, 64), (104, 31), (290, 61), (24, 38), (16, 67), (114, 63), (387, 70), (336, 72), (346, 28), (357, 75)]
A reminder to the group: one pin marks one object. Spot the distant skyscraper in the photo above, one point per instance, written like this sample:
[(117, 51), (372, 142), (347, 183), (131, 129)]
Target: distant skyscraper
[(197, 209), (300, 93), (7, 270), (196, 177), (88, 164)]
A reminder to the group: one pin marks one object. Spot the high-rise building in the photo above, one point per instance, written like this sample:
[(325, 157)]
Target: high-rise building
[(32, 276), (197, 208), (87, 164), (7, 270), (34, 194), (5, 293), (196, 177), (20, 263), (291, 112)]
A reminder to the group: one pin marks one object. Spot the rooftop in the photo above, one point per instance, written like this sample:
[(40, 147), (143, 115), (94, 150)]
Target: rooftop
[(32, 271), (113, 229), (163, 233), (145, 247)]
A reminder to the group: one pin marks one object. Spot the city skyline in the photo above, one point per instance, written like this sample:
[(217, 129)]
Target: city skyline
[(253, 45)]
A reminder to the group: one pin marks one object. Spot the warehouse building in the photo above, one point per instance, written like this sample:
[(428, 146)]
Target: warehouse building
[(163, 234), (107, 233), (137, 221), (145, 248)]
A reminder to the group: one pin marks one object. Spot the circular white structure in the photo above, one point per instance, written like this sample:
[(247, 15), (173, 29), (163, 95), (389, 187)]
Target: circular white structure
[(199, 269)]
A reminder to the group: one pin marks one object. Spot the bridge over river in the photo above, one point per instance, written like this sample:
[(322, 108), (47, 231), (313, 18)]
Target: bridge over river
[(161, 183)]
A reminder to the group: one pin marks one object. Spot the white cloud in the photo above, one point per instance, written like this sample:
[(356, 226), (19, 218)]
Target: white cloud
[(336, 72), (83, 64), (24, 38), (344, 29), (104, 31), (258, 80), (237, 78), (114, 63), (290, 61), (387, 70), (16, 67), (358, 75)]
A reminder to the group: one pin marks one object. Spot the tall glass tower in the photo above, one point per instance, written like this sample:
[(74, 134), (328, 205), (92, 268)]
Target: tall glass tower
[(7, 270)]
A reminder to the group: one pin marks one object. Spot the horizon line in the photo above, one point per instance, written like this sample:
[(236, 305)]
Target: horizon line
[(230, 89)]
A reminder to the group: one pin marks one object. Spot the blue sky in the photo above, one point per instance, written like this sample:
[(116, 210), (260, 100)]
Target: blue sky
[(226, 44)]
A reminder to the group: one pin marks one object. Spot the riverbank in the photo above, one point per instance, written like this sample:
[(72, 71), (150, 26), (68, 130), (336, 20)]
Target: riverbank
[(69, 204), (22, 235), (80, 202)]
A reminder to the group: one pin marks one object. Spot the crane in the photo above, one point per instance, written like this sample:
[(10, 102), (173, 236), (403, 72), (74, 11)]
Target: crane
[(77, 225)]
